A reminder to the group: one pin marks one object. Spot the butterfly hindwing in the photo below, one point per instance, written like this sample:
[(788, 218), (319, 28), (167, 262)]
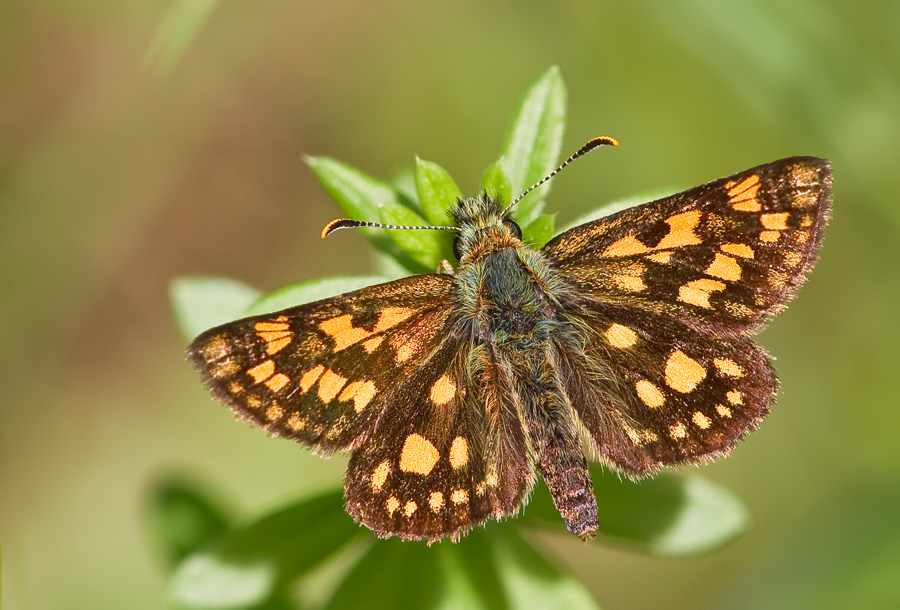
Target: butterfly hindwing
[(721, 257), (440, 460), (653, 392), (322, 373)]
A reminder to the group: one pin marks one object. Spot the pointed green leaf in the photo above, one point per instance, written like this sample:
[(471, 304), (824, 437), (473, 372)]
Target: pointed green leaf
[(203, 302), (175, 32), (361, 196), (181, 519), (496, 183), (423, 246), (534, 140), (669, 515), (248, 567), (540, 231), (613, 207), (358, 193), (437, 191), (312, 290)]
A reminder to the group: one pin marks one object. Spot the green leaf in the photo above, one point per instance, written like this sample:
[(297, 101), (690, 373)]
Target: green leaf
[(540, 231), (249, 567), (361, 196), (531, 581), (309, 291), (613, 207), (533, 142), (181, 519), (495, 182), (437, 191), (667, 516), (203, 302), (175, 32), (493, 567), (404, 183), (425, 247), (392, 574), (355, 191)]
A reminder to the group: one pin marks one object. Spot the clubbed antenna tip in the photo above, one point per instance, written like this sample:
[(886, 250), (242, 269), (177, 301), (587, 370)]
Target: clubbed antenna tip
[(346, 223), (591, 145)]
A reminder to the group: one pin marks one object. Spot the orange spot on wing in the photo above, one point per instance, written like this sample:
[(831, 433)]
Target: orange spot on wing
[(697, 292), (391, 317), (724, 267), (742, 196), (681, 231), (443, 390), (362, 393), (277, 381), (418, 455), (261, 372), (310, 377), (380, 475), (342, 331), (459, 453), (627, 246), (273, 347), (329, 385), (742, 250), (683, 373), (649, 394), (776, 221), (262, 327)]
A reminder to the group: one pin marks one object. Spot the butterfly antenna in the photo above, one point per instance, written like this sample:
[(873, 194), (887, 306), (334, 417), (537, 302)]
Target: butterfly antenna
[(591, 145), (346, 223)]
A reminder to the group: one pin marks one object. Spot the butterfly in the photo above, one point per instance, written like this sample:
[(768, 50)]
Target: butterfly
[(624, 340)]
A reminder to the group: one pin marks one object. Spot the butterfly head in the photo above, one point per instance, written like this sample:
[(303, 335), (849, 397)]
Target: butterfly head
[(483, 226)]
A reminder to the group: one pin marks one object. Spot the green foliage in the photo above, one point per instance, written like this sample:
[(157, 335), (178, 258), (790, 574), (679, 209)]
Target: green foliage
[(495, 566), (534, 141), (182, 519)]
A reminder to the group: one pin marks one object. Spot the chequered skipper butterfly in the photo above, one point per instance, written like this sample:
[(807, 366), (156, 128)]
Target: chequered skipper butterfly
[(627, 336)]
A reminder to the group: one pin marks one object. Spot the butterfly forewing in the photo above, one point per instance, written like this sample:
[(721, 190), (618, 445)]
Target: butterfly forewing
[(322, 373), (722, 257)]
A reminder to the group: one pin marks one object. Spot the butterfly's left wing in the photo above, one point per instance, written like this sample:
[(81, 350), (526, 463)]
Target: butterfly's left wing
[(390, 373), (323, 373), (659, 366)]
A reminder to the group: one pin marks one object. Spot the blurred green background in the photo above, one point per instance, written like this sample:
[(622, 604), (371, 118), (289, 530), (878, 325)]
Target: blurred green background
[(114, 179)]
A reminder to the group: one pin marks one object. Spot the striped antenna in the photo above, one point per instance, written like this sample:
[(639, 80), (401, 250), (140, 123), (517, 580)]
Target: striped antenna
[(591, 145), (346, 223)]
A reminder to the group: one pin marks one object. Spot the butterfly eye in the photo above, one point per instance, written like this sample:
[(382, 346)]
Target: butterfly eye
[(513, 227), (457, 248)]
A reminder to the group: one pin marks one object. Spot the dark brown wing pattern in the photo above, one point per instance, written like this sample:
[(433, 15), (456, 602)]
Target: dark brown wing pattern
[(662, 370)]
